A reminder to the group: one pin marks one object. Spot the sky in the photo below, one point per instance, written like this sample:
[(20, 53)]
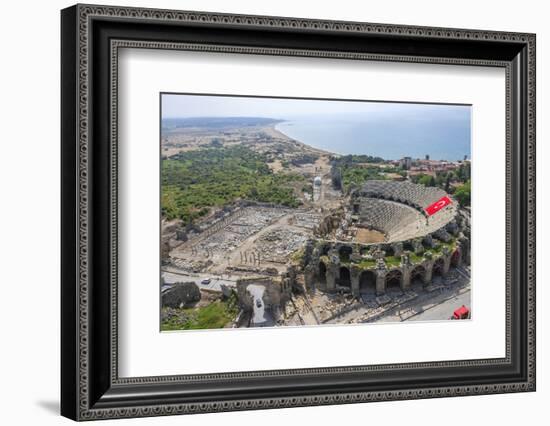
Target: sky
[(181, 106), (389, 130)]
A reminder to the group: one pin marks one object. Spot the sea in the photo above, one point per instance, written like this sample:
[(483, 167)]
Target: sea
[(441, 135)]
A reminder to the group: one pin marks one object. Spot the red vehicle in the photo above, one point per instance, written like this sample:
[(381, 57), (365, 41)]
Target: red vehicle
[(461, 313)]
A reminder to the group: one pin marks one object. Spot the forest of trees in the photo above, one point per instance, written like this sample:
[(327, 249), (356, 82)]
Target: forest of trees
[(195, 181), (463, 193), (351, 171)]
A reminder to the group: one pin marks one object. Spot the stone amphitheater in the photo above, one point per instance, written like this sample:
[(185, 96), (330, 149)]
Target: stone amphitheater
[(416, 247), (396, 209)]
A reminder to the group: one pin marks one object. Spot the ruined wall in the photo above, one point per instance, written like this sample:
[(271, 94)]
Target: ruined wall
[(335, 266), (277, 291)]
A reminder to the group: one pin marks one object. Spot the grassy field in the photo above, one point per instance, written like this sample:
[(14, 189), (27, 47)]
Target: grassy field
[(392, 260), (415, 258), (215, 315), (365, 263)]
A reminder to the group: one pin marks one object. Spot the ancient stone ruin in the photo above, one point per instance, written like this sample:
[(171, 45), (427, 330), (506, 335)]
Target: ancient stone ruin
[(181, 295), (416, 247)]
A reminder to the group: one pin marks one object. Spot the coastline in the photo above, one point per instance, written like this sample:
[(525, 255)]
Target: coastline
[(361, 139), (280, 134)]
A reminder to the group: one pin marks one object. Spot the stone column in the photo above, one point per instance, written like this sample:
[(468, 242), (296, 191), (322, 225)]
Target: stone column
[(406, 281), (354, 275), (446, 261), (380, 282), (332, 276), (459, 256), (429, 271), (465, 250), (406, 269), (446, 265), (310, 279), (333, 270)]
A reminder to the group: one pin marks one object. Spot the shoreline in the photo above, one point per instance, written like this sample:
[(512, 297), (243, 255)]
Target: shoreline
[(342, 154), (282, 135)]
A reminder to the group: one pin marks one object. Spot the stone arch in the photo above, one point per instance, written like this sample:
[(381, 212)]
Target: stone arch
[(367, 282), (418, 273), (322, 273), (345, 277), (345, 253), (408, 246), (389, 251), (438, 267), (455, 257), (394, 279)]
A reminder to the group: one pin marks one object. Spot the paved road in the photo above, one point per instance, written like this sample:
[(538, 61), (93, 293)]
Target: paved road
[(215, 282), (257, 292), (444, 310)]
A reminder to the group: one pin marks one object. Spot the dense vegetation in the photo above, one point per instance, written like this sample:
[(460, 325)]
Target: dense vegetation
[(352, 171), (352, 158), (302, 159), (194, 181), (463, 193), (456, 182), (215, 315), (355, 175)]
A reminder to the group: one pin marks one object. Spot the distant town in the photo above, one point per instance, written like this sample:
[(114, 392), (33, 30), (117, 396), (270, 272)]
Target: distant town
[(262, 230)]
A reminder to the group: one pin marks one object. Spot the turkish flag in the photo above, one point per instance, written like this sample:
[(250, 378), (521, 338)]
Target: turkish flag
[(438, 205)]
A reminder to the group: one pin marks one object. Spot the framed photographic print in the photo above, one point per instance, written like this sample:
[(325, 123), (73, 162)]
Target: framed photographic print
[(263, 212)]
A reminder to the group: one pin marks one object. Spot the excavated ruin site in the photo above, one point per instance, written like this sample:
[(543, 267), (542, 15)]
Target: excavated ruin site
[(371, 255)]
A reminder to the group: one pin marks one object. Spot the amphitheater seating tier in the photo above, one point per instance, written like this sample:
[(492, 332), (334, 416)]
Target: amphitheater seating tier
[(397, 209), (416, 195)]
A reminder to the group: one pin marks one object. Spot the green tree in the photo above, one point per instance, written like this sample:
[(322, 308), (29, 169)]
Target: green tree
[(426, 180), (463, 193)]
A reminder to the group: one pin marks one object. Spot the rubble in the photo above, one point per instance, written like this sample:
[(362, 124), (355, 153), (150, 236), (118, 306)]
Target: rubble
[(181, 295)]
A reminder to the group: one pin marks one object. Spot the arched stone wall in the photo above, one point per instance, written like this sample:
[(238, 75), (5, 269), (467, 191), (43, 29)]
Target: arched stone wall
[(394, 279), (341, 264), (345, 252), (418, 273), (456, 258), (345, 277), (438, 267), (367, 281)]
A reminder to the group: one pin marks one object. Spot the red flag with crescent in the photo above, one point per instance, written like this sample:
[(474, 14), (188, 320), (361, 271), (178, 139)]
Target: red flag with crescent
[(438, 205)]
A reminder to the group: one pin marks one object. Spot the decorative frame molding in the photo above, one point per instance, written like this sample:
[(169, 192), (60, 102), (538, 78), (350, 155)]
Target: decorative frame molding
[(91, 37)]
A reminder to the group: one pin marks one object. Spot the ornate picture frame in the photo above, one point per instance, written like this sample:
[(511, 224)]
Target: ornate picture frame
[(91, 37)]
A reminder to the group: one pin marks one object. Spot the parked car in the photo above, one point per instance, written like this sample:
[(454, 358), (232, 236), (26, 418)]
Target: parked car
[(461, 313), (206, 281)]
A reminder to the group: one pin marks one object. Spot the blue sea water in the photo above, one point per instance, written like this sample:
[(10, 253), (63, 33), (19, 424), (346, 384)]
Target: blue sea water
[(443, 133)]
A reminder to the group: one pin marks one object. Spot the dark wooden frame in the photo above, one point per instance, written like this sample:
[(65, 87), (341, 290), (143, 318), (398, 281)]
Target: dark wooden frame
[(90, 386)]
